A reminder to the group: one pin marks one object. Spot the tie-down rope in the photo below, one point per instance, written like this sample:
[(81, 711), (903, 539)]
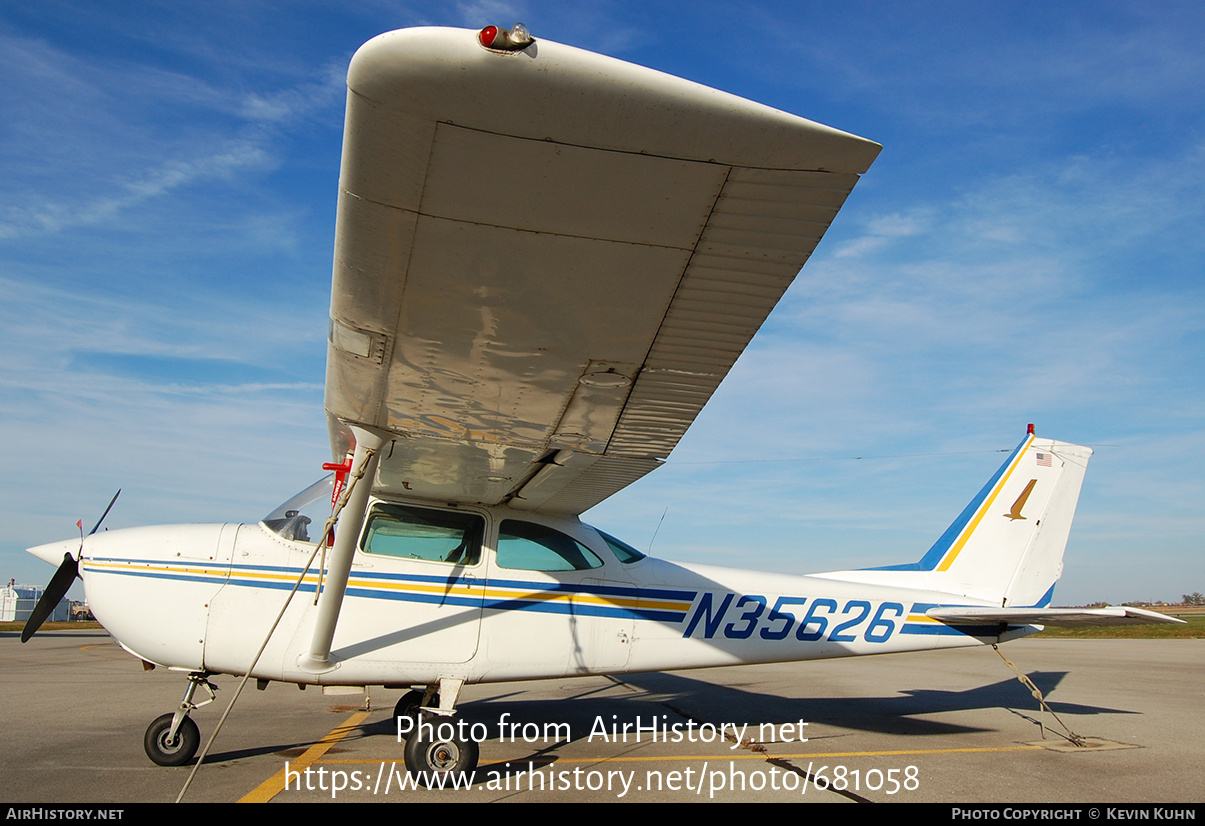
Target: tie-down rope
[(1071, 736), (331, 521)]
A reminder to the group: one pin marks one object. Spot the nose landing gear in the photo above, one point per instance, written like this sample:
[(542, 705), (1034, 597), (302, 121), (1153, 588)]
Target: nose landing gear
[(173, 739)]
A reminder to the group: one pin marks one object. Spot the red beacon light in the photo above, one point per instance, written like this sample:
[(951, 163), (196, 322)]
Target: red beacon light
[(514, 39)]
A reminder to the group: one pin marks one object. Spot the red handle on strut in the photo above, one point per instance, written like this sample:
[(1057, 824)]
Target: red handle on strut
[(341, 471)]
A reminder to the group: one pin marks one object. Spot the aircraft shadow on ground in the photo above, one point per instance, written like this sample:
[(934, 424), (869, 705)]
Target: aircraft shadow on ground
[(676, 698), (900, 712)]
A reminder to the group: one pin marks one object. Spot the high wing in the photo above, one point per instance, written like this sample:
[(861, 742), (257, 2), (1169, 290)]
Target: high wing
[(547, 260)]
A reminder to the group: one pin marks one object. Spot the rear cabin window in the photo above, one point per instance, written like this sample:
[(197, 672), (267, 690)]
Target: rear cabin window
[(623, 551), (527, 546), (406, 532)]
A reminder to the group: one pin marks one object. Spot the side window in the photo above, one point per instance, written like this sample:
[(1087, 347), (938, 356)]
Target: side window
[(417, 533), (527, 546)]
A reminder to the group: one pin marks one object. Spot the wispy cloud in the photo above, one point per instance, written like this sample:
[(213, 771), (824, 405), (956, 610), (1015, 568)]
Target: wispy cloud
[(52, 215), (300, 101), (87, 141), (881, 231)]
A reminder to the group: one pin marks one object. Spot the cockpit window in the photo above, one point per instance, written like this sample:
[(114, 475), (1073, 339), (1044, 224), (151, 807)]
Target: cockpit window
[(623, 551), (312, 506), (418, 533), (530, 547)]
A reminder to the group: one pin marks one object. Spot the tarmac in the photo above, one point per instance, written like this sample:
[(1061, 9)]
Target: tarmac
[(943, 726)]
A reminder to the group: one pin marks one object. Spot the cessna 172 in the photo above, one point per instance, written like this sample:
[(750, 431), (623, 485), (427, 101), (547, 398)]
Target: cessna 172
[(546, 261)]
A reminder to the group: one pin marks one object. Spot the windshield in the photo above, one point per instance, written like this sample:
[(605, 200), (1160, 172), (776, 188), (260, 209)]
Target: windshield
[(310, 507)]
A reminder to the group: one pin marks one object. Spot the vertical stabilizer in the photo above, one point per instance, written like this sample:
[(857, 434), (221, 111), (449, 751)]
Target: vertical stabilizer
[(1006, 547)]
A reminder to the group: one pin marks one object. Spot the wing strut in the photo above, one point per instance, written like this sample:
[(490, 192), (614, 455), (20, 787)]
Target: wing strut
[(364, 464)]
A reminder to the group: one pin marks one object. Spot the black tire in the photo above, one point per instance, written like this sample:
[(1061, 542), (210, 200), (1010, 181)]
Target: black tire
[(426, 758), (408, 706), (163, 753)]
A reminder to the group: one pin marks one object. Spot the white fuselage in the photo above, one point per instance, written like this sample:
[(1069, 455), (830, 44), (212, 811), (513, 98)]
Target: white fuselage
[(203, 597)]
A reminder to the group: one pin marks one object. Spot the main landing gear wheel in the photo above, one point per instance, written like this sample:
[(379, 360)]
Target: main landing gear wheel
[(426, 757), (409, 706), (171, 752)]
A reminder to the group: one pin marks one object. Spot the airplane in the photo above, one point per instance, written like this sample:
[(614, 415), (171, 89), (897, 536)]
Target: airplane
[(546, 261)]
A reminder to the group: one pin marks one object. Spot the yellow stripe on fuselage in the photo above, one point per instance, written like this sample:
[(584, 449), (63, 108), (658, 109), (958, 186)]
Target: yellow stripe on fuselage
[(492, 592), (922, 618), (92, 566)]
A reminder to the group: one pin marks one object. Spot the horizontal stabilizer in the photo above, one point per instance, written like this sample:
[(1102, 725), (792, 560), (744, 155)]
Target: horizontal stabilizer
[(1058, 617)]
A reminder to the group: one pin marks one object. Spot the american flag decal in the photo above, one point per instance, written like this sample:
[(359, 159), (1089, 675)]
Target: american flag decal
[(1043, 459)]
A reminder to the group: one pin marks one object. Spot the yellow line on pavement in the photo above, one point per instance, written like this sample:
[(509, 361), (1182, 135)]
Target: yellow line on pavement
[(275, 784)]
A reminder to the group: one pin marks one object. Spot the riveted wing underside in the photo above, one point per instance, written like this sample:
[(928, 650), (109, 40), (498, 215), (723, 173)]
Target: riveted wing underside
[(544, 270)]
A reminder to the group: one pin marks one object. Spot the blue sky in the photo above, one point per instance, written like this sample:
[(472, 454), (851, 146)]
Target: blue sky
[(1028, 247)]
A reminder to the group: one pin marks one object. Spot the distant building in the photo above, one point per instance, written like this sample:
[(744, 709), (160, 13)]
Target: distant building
[(17, 603), (8, 603)]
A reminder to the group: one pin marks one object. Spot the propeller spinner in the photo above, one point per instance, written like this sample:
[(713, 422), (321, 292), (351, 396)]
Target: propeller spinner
[(61, 582)]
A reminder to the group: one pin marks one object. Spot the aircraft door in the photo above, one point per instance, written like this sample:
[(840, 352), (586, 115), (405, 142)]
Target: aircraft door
[(416, 586), (553, 607)]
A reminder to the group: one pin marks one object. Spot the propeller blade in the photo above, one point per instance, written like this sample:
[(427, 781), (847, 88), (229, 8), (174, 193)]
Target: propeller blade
[(106, 513), (55, 591)]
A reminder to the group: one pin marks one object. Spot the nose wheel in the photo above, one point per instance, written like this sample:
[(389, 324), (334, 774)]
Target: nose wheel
[(166, 750), (173, 739)]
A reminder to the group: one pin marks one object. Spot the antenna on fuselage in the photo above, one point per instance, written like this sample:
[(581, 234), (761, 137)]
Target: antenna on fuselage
[(650, 548)]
